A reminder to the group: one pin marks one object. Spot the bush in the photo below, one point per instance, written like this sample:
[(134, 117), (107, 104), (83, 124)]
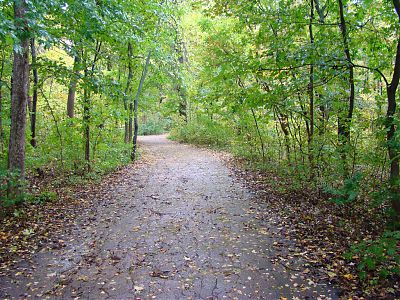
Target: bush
[(348, 192), (154, 124), (43, 197), (380, 256), (202, 131), (12, 179)]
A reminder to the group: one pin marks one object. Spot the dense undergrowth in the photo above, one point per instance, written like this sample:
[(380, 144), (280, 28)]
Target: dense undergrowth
[(64, 165)]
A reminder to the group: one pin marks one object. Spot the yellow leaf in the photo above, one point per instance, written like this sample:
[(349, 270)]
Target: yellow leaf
[(331, 274), (83, 278), (348, 276), (262, 231)]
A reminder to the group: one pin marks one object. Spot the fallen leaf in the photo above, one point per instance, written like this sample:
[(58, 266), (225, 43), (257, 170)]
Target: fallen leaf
[(138, 288)]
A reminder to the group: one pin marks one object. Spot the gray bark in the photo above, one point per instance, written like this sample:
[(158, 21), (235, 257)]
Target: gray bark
[(16, 149), (72, 88)]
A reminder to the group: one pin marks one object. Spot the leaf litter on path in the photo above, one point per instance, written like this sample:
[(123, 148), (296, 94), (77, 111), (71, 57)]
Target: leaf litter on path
[(178, 226)]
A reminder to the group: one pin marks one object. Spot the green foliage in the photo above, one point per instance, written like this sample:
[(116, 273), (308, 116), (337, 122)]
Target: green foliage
[(262, 88), (381, 256), (87, 42), (203, 131), (10, 180), (244, 76), (154, 124), (43, 197), (349, 192)]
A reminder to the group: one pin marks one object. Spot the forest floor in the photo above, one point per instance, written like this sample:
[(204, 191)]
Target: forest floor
[(179, 224)]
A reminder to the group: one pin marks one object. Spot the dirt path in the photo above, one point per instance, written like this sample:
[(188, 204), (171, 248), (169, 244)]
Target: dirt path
[(179, 227)]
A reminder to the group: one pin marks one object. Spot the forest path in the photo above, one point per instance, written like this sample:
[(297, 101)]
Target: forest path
[(180, 226)]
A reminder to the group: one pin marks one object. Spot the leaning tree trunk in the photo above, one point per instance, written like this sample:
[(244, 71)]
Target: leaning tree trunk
[(35, 93), (135, 107), (16, 149)]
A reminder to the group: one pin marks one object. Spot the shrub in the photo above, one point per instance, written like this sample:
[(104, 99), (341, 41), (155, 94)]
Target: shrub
[(380, 256), (154, 124), (8, 179), (202, 131), (348, 192), (43, 197)]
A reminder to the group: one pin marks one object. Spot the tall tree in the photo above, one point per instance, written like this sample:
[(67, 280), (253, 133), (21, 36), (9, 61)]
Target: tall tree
[(391, 127), (1, 97), (311, 93), (16, 149), (128, 108), (87, 103), (345, 117)]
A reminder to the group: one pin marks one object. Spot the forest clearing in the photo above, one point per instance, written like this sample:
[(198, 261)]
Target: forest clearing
[(224, 149)]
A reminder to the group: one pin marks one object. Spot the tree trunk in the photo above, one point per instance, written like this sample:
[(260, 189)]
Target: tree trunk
[(322, 107), (311, 96), (86, 123), (16, 149), (182, 102), (1, 101), (87, 105), (259, 134), (180, 88), (344, 119), (35, 93), (128, 108), (130, 123), (392, 148), (126, 123), (284, 122), (320, 11), (135, 106), (72, 88), (392, 129)]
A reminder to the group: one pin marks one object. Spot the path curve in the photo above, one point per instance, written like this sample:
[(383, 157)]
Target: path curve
[(179, 227)]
